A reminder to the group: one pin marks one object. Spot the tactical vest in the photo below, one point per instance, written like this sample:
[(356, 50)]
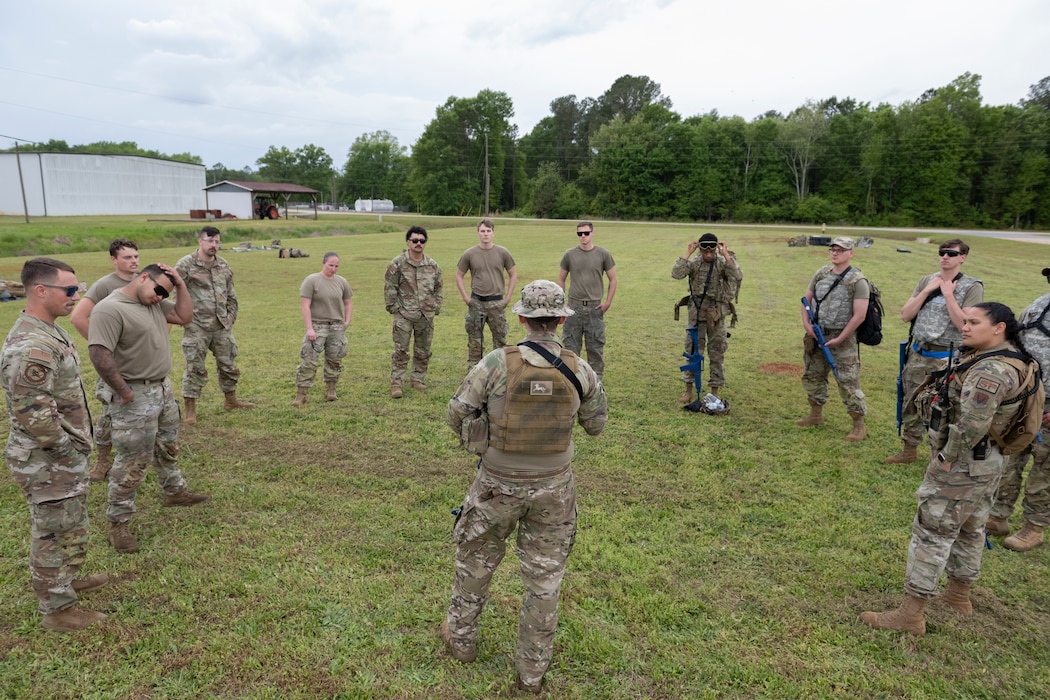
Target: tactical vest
[(1036, 340), (934, 325), (539, 408), (834, 309)]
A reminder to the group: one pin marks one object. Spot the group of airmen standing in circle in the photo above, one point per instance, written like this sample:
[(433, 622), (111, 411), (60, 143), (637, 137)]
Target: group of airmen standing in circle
[(516, 407)]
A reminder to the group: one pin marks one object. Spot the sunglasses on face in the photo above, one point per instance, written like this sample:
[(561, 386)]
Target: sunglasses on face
[(70, 291), (160, 291), (584, 233), (708, 245), (949, 253), (419, 241)]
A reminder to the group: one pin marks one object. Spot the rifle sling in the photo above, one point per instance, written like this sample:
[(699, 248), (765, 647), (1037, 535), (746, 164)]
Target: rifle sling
[(838, 278), (703, 295)]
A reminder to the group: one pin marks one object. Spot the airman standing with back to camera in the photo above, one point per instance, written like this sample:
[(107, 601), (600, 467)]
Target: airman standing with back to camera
[(935, 313), (714, 277), (124, 254), (585, 264), (209, 280), (838, 295), (48, 443), (1034, 331), (488, 298), (413, 292)]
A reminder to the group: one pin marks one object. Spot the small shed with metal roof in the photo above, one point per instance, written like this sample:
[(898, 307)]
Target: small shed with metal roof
[(250, 200)]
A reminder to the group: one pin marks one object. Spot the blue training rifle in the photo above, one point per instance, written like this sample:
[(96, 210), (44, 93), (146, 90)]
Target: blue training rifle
[(820, 338), (695, 362)]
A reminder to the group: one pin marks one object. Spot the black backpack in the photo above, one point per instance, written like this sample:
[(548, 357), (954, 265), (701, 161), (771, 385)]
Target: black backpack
[(869, 331)]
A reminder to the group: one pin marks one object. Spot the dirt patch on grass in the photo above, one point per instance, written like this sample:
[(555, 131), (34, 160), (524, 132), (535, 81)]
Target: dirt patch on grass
[(783, 368)]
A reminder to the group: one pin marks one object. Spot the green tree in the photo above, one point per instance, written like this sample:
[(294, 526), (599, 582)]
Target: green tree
[(278, 165), (546, 187), (376, 168)]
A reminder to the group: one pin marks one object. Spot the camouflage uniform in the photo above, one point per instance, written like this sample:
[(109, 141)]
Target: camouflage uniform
[(214, 313), (486, 304), (48, 444), (710, 322), (1037, 487), (834, 311), (932, 334), (585, 268), (535, 492), (331, 341), (948, 530), (413, 294)]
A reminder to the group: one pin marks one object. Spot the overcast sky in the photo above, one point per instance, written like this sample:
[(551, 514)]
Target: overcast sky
[(226, 79)]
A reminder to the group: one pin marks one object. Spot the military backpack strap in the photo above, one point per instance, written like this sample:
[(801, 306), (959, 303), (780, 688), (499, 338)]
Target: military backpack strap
[(558, 364), (816, 306), (707, 283), (1038, 324)]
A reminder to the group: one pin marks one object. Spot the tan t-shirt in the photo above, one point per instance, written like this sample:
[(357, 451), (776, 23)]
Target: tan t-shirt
[(136, 334), (486, 269), (327, 296), (585, 268)]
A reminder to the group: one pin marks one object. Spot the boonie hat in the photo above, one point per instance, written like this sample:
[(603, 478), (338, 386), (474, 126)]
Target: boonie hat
[(542, 299), (843, 242)]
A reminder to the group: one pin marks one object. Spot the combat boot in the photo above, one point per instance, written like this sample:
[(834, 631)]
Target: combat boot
[(86, 584), (418, 385), (815, 417), (532, 689), (395, 391), (121, 538), (909, 454), (1027, 538), (233, 402), (185, 497), (464, 652), (189, 416), (71, 619), (957, 596), (300, 396), (329, 391), (859, 432), (997, 527), (907, 618), (103, 461), (687, 397), (714, 390)]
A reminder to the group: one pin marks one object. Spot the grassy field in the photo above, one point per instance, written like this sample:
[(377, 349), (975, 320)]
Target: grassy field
[(716, 556)]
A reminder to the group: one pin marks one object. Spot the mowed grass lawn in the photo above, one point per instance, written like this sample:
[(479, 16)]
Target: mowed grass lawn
[(716, 556)]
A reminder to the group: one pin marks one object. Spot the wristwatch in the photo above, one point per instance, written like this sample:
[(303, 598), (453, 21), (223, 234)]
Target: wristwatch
[(940, 458)]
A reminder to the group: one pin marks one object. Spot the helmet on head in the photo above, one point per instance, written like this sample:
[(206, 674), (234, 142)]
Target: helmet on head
[(542, 299)]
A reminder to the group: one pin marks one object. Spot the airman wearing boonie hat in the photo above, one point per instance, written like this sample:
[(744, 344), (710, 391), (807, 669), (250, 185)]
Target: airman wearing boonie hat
[(838, 295), (530, 406)]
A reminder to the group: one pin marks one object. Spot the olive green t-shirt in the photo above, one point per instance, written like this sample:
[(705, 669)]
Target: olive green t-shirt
[(136, 334), (327, 296), (486, 269), (585, 268)]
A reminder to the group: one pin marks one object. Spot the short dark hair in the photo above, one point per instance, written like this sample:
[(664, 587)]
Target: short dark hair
[(416, 229), (118, 243), (487, 223), (956, 243), (154, 271), (588, 224), (42, 271), (209, 232), (708, 237), (547, 324), (329, 254)]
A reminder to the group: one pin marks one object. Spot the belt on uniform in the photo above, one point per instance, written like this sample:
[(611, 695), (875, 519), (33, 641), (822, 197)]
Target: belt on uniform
[(575, 302), (327, 323), (526, 475), (930, 352), (146, 382), (490, 297)]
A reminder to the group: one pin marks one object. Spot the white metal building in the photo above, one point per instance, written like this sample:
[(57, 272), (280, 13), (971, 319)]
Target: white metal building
[(78, 184), (248, 200), (373, 205)]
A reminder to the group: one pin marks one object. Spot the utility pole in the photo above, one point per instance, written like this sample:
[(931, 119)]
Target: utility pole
[(487, 210), (21, 182)]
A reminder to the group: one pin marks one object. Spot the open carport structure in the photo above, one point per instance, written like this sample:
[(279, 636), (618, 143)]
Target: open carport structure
[(250, 200)]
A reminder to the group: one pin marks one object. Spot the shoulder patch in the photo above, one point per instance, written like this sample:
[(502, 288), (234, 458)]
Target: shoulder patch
[(35, 373), (989, 385), (38, 355)]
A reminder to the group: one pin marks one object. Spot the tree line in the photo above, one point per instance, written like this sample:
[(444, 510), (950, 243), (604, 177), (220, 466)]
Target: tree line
[(944, 159)]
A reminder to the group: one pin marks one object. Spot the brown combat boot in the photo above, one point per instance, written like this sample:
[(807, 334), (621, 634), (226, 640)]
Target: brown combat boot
[(71, 619), (103, 461), (121, 538), (859, 432), (185, 497), (714, 390), (909, 454), (957, 596), (525, 687), (815, 417), (418, 385), (86, 584), (329, 391), (907, 618), (1026, 539), (395, 391), (300, 396), (686, 397), (464, 652), (189, 416), (232, 402), (997, 527)]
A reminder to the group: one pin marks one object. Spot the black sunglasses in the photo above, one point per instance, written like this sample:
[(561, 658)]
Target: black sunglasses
[(949, 253), (160, 291), (70, 291), (584, 233), (417, 240)]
